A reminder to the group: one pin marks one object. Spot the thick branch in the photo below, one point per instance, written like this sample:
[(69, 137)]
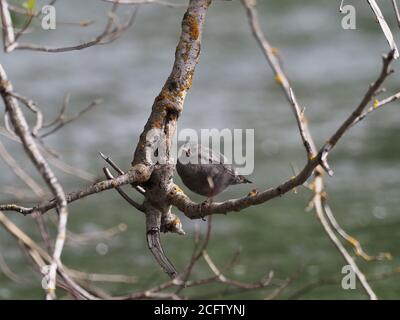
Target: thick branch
[(169, 103)]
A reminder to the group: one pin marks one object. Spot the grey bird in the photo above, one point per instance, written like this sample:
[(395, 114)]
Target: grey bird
[(205, 171)]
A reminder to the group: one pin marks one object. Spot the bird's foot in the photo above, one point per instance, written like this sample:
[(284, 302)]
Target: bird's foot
[(204, 207)]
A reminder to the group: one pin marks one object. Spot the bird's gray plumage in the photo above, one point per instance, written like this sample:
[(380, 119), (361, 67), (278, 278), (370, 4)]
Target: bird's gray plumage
[(205, 171)]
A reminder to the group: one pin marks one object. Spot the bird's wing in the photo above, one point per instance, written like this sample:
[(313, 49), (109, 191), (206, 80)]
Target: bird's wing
[(208, 156)]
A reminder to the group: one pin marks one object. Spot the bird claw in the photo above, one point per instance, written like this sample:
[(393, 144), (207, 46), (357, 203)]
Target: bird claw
[(204, 207)]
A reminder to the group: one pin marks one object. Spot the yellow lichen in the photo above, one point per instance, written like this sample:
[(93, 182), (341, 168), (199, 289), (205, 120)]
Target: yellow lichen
[(178, 189), (388, 256), (354, 242), (278, 79), (176, 222), (376, 103), (189, 81), (141, 171)]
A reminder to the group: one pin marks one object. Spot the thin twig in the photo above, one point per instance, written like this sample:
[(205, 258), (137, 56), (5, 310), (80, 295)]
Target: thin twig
[(122, 192), (108, 35), (319, 208), (140, 2), (396, 10), (22, 130), (120, 171), (63, 122), (353, 241), (385, 28)]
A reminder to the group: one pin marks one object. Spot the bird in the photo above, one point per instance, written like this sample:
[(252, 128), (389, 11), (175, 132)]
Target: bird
[(205, 171)]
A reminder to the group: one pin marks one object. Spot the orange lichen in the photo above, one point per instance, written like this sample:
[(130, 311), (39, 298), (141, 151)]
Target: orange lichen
[(169, 107), (158, 123), (252, 193), (274, 50), (194, 29)]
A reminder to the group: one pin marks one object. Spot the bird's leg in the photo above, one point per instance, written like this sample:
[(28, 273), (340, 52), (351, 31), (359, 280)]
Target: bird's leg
[(204, 206)]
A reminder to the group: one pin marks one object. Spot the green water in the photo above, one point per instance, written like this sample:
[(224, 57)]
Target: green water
[(330, 69)]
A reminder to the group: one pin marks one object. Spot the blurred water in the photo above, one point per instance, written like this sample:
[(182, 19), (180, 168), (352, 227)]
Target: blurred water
[(330, 69)]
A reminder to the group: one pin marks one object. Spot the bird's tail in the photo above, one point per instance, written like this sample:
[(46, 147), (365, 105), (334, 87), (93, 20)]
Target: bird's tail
[(242, 179)]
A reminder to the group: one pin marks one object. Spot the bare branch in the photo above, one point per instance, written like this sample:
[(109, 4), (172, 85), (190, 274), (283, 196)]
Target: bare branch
[(396, 10), (22, 130), (112, 31), (20, 173), (40, 257), (318, 204), (34, 108), (270, 54), (375, 106), (84, 238), (8, 30), (168, 105), (120, 171), (353, 241), (335, 280), (63, 122), (123, 194), (385, 28), (136, 174), (374, 87), (153, 222), (139, 2)]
